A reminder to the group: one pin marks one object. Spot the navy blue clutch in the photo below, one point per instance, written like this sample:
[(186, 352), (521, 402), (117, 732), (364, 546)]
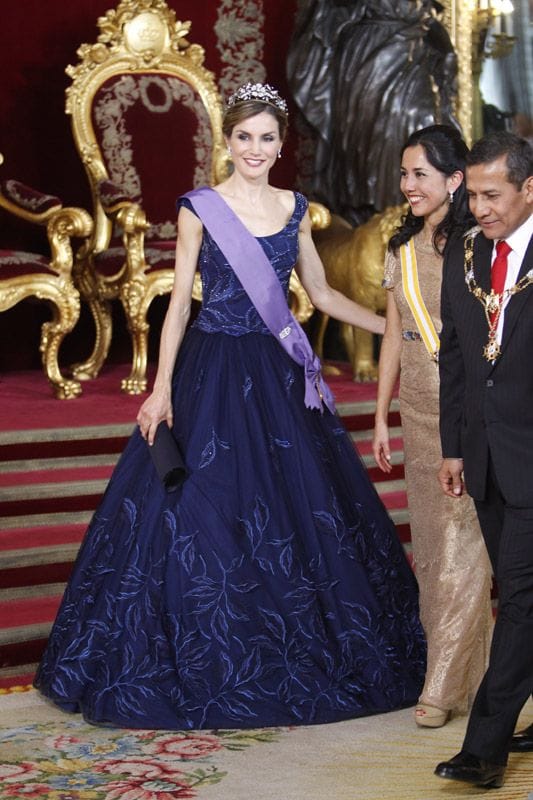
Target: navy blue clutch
[(168, 459)]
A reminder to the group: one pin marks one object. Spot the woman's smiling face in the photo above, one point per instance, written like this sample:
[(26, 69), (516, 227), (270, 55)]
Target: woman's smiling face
[(254, 144), (425, 187)]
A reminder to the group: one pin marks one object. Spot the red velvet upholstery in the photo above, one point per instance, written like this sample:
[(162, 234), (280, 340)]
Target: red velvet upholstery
[(110, 194), (28, 198), (149, 126), (158, 254), (15, 263)]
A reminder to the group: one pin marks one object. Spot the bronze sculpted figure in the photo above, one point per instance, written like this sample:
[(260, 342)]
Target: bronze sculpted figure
[(365, 75)]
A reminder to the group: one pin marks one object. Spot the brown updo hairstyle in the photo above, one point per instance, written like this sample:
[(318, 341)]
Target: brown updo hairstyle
[(244, 109)]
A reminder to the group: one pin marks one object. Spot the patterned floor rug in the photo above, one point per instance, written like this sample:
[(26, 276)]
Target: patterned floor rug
[(48, 755)]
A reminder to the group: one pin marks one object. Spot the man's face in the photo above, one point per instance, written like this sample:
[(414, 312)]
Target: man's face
[(498, 205)]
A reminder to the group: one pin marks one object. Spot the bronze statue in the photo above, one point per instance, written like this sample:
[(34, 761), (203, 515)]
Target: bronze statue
[(365, 75)]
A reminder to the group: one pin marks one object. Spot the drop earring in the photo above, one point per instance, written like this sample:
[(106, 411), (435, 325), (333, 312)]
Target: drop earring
[(229, 151), (451, 197), (279, 153)]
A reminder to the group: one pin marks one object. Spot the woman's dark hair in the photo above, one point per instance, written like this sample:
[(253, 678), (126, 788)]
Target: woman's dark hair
[(245, 109), (445, 150)]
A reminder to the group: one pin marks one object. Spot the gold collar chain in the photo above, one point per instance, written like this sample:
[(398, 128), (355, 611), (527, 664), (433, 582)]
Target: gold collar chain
[(492, 301)]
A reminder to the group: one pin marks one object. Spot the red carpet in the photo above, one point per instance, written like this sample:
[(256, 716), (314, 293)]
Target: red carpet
[(56, 458), (27, 400)]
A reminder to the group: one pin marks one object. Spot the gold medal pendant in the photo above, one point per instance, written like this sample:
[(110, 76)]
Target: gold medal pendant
[(492, 303), (492, 350)]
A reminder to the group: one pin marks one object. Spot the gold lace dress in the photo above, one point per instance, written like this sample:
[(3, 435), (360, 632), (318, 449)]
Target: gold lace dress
[(451, 562)]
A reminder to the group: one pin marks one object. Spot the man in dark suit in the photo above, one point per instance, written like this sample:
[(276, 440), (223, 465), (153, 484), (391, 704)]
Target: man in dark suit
[(486, 407)]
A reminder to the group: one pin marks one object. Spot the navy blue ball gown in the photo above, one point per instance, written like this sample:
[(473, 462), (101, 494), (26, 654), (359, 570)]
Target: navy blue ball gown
[(272, 589)]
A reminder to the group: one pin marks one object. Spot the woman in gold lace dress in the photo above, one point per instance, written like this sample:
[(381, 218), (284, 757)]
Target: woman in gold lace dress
[(450, 559)]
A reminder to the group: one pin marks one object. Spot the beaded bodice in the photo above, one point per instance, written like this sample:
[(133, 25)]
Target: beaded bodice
[(226, 307)]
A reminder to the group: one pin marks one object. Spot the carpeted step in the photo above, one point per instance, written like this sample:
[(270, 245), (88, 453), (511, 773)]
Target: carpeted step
[(24, 611), (30, 487), (39, 473), (365, 421), (25, 621), (40, 536), (73, 497), (38, 555), (46, 443), (42, 574), (19, 676), (21, 652)]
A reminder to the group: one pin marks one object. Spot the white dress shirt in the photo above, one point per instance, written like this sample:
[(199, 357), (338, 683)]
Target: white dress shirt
[(518, 241)]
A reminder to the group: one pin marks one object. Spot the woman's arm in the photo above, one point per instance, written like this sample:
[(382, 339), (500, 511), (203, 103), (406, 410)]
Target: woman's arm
[(158, 406), (328, 300), (388, 371)]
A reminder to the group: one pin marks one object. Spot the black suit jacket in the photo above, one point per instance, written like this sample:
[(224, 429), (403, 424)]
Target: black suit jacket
[(487, 407)]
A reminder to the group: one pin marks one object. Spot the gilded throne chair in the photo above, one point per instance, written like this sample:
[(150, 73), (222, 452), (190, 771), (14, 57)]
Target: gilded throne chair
[(46, 276), (146, 118)]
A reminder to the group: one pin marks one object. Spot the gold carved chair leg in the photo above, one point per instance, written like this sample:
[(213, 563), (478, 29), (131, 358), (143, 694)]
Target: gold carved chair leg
[(101, 314), (64, 301), (137, 297), (133, 295), (136, 293), (64, 225), (66, 311)]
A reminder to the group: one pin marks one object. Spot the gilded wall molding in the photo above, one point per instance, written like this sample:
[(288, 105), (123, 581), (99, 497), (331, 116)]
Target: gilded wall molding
[(458, 17)]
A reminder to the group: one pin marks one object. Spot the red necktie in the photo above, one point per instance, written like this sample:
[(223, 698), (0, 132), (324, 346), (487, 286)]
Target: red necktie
[(499, 269)]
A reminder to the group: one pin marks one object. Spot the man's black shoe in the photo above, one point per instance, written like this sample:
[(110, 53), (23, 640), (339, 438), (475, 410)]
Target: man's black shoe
[(522, 742), (471, 769)]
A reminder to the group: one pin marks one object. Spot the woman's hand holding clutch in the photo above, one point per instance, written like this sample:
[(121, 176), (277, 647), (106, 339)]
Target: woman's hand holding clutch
[(155, 409)]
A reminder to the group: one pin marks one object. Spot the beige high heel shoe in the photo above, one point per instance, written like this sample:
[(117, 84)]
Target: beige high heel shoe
[(430, 716)]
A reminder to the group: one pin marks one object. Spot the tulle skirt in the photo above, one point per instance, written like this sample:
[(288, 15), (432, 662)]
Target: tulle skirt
[(270, 590)]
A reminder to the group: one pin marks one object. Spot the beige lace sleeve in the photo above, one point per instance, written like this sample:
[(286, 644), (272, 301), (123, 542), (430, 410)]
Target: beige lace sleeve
[(390, 271)]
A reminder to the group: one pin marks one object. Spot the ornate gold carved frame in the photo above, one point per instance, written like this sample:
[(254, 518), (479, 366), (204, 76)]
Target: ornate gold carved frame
[(458, 18), (139, 36)]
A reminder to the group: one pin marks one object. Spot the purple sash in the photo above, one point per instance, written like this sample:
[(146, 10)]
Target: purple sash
[(260, 282)]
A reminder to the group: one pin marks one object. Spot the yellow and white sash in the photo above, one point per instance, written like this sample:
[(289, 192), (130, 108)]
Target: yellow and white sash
[(411, 289)]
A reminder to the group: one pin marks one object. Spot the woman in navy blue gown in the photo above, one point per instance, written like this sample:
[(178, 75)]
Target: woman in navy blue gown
[(272, 589)]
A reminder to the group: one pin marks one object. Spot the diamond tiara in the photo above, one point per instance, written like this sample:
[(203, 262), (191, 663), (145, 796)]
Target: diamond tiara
[(258, 91)]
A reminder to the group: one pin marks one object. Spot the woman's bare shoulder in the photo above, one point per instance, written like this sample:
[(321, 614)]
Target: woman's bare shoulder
[(284, 196)]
